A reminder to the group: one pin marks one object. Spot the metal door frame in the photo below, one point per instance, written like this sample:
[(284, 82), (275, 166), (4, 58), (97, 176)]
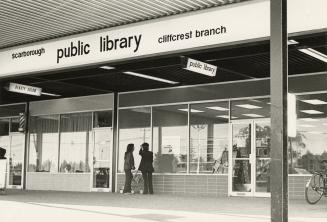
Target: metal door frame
[(251, 158)]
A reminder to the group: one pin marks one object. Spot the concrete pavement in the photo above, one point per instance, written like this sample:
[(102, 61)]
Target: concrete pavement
[(28, 206)]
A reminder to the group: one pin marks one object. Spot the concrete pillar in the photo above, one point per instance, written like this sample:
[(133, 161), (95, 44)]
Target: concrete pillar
[(278, 90)]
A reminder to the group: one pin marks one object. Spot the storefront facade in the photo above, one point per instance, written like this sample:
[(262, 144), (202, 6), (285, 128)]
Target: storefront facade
[(14, 142), (70, 144), (207, 139)]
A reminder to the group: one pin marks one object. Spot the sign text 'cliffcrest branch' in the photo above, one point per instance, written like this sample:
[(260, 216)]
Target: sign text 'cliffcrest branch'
[(179, 33)]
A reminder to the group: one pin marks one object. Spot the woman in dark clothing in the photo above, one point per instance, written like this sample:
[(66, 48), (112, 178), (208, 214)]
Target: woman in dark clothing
[(128, 167), (146, 168)]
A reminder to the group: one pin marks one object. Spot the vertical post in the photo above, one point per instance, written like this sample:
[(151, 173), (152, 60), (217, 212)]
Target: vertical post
[(278, 89), (115, 142), (26, 145)]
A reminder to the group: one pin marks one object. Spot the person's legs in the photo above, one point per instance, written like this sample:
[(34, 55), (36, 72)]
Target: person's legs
[(145, 179), (128, 181), (150, 182)]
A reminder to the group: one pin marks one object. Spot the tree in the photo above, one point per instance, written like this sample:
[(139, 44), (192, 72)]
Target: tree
[(297, 142)]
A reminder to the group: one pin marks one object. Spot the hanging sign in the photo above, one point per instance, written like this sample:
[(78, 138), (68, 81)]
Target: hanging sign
[(30, 90), (200, 67)]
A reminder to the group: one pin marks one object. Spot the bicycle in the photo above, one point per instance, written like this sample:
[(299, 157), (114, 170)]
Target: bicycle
[(316, 187)]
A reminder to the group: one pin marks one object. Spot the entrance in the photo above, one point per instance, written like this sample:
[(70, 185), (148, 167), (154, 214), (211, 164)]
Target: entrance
[(102, 159), (14, 143), (250, 158)]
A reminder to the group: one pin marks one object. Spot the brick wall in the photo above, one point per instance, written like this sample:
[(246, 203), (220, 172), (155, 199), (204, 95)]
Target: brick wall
[(208, 185), (211, 185), (58, 181)]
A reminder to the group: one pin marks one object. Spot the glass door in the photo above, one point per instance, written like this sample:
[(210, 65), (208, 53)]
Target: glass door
[(262, 158), (250, 146), (241, 156), (102, 159), (15, 156)]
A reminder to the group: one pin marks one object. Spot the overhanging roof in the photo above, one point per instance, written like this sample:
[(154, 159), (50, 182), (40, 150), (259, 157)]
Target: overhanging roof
[(23, 22)]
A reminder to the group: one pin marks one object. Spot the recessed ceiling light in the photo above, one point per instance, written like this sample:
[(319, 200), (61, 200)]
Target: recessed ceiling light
[(314, 101), (219, 108), (292, 42), (307, 125), (252, 115), (311, 111), (309, 119), (226, 117), (107, 67), (315, 54), (150, 77), (249, 106), (192, 110)]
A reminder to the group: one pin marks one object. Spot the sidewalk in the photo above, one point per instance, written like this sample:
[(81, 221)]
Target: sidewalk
[(70, 206)]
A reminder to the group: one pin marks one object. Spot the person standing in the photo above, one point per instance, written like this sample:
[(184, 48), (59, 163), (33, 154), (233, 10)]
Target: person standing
[(146, 167), (128, 167)]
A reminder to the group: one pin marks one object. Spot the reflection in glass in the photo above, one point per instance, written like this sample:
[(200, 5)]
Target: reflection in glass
[(170, 139), (4, 135), (16, 159), (262, 146), (44, 140), (75, 137), (308, 147), (134, 127), (209, 138), (250, 108), (102, 119), (102, 158), (242, 140), (14, 125), (262, 175), (241, 175), (4, 127)]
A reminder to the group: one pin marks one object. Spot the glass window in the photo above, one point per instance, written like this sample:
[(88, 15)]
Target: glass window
[(75, 139), (4, 135), (12, 110), (134, 127), (14, 125), (4, 127), (170, 138), (209, 138), (102, 119), (250, 109), (308, 148), (44, 141)]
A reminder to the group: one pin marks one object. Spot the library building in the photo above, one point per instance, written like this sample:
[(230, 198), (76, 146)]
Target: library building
[(194, 85)]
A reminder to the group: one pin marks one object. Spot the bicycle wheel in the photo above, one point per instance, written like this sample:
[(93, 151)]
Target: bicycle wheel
[(314, 189)]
